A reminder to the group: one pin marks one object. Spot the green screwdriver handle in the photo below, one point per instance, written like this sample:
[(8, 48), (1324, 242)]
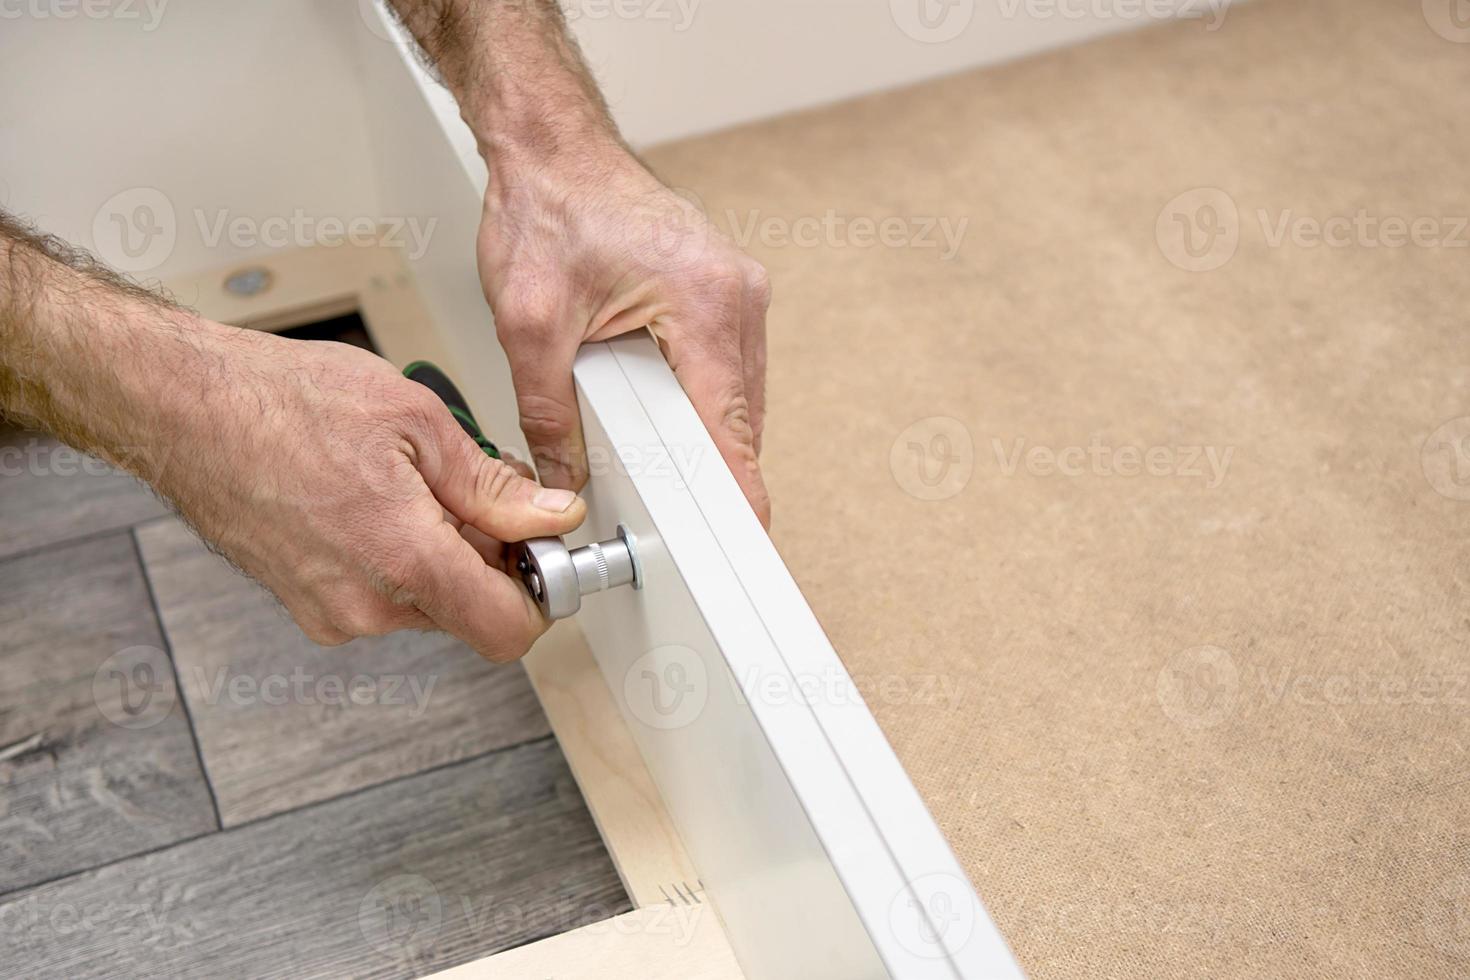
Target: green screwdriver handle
[(556, 577), (438, 382)]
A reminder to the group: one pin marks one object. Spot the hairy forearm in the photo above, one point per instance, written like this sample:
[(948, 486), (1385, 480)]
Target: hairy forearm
[(98, 361), (316, 468), (518, 76)]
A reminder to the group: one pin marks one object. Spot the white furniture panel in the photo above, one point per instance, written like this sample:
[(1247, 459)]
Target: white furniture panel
[(810, 841)]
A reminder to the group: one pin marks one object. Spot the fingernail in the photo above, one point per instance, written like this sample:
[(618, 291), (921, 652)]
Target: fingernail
[(554, 500)]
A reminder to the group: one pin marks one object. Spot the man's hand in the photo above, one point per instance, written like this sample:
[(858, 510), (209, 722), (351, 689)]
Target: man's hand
[(568, 258), (353, 495), (580, 242), (346, 489)]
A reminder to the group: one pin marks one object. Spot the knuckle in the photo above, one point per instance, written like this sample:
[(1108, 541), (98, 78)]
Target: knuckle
[(394, 406), (493, 480), (365, 620), (321, 633), (416, 401), (735, 418), (545, 419), (400, 580), (502, 654), (510, 649), (523, 311), (358, 615), (758, 284), (724, 275), (419, 412), (720, 294)]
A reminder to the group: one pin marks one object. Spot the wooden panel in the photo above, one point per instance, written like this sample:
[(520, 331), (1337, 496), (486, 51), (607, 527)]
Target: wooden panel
[(665, 942), (308, 284), (304, 284), (630, 814), (283, 722), (396, 881), (49, 492), (1203, 715), (96, 759)]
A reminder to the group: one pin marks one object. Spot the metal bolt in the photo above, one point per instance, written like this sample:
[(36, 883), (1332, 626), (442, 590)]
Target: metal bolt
[(251, 281), (558, 577)]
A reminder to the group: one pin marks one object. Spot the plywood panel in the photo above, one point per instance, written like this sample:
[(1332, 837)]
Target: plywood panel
[(661, 942), (305, 285), (641, 837), (1164, 717)]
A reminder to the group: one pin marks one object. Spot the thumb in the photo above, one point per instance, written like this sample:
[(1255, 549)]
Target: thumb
[(491, 496)]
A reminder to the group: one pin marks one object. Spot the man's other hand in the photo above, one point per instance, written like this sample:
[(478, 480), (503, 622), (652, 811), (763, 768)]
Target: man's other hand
[(585, 253)]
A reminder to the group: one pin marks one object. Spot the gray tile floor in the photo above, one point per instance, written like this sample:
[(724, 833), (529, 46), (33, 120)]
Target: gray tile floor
[(188, 786)]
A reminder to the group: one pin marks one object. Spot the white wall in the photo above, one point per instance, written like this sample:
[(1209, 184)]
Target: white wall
[(116, 113), (673, 68), (247, 109)]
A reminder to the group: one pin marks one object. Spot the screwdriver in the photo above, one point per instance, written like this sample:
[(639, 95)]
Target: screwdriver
[(556, 577)]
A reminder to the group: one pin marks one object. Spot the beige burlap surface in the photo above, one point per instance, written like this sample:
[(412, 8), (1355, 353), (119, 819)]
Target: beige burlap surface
[(1120, 437)]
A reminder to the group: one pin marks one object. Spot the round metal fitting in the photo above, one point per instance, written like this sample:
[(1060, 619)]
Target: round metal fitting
[(546, 568), (558, 578)]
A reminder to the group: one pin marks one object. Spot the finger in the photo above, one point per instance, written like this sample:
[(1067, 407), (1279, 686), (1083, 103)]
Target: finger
[(753, 309), (541, 357), (379, 617), (520, 466), (472, 601), (308, 617), (316, 629), (489, 495), (400, 617), (491, 551), (371, 615), (710, 368)]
